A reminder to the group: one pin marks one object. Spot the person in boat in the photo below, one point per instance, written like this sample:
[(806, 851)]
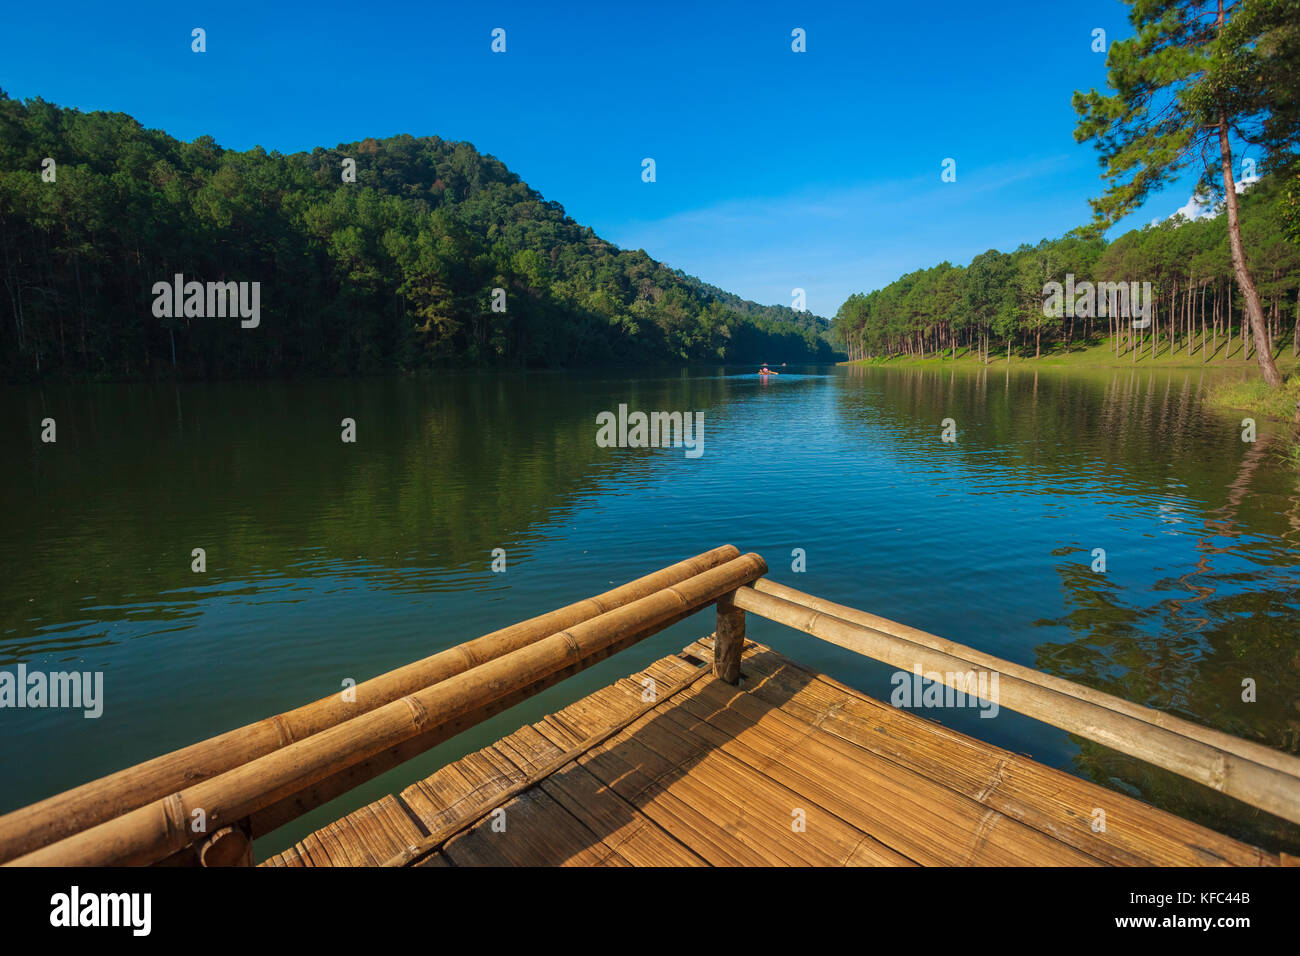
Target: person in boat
[(767, 371)]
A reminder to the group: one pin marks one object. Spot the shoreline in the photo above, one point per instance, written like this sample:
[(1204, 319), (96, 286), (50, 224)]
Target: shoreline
[(1244, 392), (1097, 355)]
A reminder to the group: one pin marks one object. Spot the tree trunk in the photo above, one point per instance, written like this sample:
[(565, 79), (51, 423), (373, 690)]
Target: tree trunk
[(1274, 328), (1247, 332), (1173, 323), (1227, 309), (1214, 345), (1202, 323), (1295, 333), (1266, 364), (1155, 323)]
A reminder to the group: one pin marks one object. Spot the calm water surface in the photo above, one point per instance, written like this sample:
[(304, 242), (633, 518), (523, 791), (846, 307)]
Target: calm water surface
[(328, 561)]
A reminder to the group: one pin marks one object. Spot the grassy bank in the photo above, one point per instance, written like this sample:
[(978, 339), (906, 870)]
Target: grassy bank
[(1099, 354), (1274, 404), (1257, 400)]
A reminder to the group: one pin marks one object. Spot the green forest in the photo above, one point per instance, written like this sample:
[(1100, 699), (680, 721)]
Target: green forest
[(394, 271), (1197, 80), (996, 304)]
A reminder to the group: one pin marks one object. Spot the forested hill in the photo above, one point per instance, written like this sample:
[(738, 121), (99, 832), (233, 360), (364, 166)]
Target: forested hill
[(394, 271), (769, 313)]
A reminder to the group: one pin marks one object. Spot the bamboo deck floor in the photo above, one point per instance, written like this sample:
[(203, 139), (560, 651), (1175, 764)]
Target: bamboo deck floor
[(710, 774)]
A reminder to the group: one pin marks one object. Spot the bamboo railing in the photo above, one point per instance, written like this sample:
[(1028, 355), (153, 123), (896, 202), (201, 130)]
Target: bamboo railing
[(1264, 778), (251, 780)]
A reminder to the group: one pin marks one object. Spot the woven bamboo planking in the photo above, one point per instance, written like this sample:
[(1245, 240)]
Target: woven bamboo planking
[(713, 774)]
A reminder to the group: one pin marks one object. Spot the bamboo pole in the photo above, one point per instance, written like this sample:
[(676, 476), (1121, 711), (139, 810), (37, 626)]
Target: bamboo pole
[(23, 830), (729, 642), (309, 798), (229, 846), (1253, 783), (1245, 749), (160, 828)]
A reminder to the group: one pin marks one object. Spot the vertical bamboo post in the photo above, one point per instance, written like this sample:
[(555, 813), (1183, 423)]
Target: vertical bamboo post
[(729, 640)]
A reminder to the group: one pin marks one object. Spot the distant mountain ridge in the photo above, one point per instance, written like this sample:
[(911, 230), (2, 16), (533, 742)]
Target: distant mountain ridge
[(774, 313), (379, 255)]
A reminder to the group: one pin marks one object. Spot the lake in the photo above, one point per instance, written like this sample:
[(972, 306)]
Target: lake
[(328, 560)]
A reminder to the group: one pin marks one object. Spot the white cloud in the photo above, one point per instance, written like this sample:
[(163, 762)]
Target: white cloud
[(1198, 207)]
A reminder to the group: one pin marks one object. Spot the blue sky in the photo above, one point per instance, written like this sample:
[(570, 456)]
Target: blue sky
[(775, 170)]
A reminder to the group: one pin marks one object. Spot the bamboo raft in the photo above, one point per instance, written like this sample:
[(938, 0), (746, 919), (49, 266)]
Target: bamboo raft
[(724, 754)]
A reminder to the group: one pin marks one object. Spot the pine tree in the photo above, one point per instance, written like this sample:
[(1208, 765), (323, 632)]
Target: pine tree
[(1190, 82)]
